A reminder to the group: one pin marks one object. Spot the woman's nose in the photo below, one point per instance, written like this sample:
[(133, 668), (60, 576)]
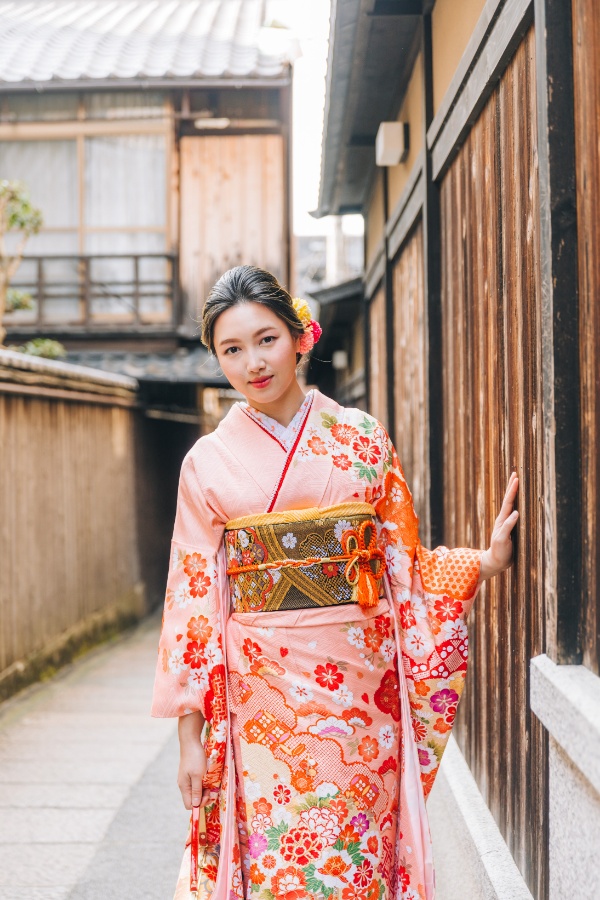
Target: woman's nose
[(255, 362)]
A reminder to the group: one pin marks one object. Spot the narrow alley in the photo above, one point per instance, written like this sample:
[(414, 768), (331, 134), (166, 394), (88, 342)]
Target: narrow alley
[(89, 806)]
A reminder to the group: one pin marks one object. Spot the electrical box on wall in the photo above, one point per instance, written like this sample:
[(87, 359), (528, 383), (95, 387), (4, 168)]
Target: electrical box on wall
[(391, 143)]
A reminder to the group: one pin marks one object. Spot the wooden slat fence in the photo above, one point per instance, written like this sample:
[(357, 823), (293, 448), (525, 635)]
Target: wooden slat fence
[(492, 414), (378, 358), (586, 50), (68, 537), (410, 373)]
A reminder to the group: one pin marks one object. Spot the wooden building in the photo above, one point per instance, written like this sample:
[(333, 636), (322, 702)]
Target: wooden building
[(482, 352), (155, 138)]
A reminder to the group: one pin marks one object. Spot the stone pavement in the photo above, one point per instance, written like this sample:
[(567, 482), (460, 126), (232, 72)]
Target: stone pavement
[(89, 805)]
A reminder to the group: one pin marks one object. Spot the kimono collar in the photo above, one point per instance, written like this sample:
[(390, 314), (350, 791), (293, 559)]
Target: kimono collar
[(292, 478)]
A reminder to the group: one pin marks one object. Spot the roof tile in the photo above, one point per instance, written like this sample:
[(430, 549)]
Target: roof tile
[(62, 40)]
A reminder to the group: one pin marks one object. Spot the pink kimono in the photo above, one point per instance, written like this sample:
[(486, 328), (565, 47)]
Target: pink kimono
[(326, 726)]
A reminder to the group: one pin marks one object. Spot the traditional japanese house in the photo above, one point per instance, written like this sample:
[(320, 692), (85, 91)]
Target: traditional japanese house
[(466, 132), (155, 139)]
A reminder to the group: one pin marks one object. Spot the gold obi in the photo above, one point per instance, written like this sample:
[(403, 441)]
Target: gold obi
[(304, 558)]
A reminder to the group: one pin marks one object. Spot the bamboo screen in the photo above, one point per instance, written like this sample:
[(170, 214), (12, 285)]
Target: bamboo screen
[(492, 412)]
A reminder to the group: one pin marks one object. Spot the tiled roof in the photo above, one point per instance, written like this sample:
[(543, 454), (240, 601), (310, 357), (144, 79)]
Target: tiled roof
[(195, 366), (53, 41)]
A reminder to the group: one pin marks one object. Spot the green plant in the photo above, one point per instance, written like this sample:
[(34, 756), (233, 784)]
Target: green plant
[(40, 346), (16, 215)]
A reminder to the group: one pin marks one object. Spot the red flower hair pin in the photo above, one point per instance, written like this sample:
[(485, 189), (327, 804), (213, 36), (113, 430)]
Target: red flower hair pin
[(312, 329)]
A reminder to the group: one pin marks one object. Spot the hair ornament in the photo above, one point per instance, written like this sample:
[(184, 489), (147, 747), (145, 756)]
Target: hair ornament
[(312, 329)]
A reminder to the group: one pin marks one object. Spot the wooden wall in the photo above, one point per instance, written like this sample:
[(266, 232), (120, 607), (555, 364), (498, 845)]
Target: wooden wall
[(232, 210), (586, 50), (492, 413), (411, 434), (378, 358), (68, 536)]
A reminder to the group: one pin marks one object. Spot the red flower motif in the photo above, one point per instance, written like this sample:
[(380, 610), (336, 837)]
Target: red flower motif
[(289, 884), (318, 447), (354, 893), (373, 639), (301, 846), (441, 726), (389, 765), (447, 609), (368, 749), (343, 434), (329, 676), (342, 462), (199, 630), (407, 616), (382, 624), (251, 649), (364, 874), (282, 794), (330, 570), (357, 716), (348, 835), (419, 730), (372, 844), (340, 808), (194, 564), (404, 877), (199, 585), (367, 451), (194, 655), (263, 806), (387, 697)]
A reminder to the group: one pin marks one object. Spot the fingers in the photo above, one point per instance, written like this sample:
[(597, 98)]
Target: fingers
[(508, 500), (196, 789), (508, 525)]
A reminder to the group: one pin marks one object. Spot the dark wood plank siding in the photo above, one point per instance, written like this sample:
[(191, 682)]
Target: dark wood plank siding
[(492, 410), (377, 358), (586, 50), (411, 432)]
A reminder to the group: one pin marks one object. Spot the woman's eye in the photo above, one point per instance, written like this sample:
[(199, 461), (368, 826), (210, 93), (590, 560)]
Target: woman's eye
[(269, 337), (229, 349)]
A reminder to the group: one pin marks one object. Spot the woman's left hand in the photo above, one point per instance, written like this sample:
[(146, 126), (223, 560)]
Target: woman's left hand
[(499, 554)]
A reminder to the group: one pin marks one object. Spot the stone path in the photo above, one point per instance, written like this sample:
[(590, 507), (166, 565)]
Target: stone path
[(89, 806)]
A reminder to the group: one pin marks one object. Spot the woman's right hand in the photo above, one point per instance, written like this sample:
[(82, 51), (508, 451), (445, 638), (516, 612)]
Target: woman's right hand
[(192, 769), (192, 761)]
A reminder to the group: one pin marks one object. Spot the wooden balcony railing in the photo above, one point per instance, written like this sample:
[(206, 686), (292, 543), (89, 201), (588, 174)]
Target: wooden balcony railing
[(100, 292)]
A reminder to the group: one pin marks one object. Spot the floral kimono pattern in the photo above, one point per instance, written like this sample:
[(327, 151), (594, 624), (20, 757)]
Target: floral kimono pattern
[(326, 726)]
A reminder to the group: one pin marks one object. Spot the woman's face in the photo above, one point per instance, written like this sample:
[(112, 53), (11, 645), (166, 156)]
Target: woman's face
[(256, 352)]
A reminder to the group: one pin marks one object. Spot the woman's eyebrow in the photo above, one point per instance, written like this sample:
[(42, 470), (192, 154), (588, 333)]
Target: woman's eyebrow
[(256, 334)]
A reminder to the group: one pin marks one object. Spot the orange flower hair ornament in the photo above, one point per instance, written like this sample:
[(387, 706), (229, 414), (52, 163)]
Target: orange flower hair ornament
[(312, 329)]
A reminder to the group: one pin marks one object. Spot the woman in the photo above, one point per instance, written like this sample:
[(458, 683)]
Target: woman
[(305, 624)]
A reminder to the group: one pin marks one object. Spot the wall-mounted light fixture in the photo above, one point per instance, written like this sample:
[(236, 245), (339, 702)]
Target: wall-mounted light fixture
[(339, 359), (392, 143)]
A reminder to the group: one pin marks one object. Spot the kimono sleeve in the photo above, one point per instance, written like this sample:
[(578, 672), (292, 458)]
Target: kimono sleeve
[(432, 592), (190, 673)]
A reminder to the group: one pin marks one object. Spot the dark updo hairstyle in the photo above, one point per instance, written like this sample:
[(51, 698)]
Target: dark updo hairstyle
[(248, 284)]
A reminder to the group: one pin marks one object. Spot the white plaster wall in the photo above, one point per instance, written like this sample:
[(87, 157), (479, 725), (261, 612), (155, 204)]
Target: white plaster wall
[(574, 830)]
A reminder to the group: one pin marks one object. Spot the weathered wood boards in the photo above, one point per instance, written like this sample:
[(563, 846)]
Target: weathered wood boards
[(67, 511), (233, 208), (492, 413), (586, 48)]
